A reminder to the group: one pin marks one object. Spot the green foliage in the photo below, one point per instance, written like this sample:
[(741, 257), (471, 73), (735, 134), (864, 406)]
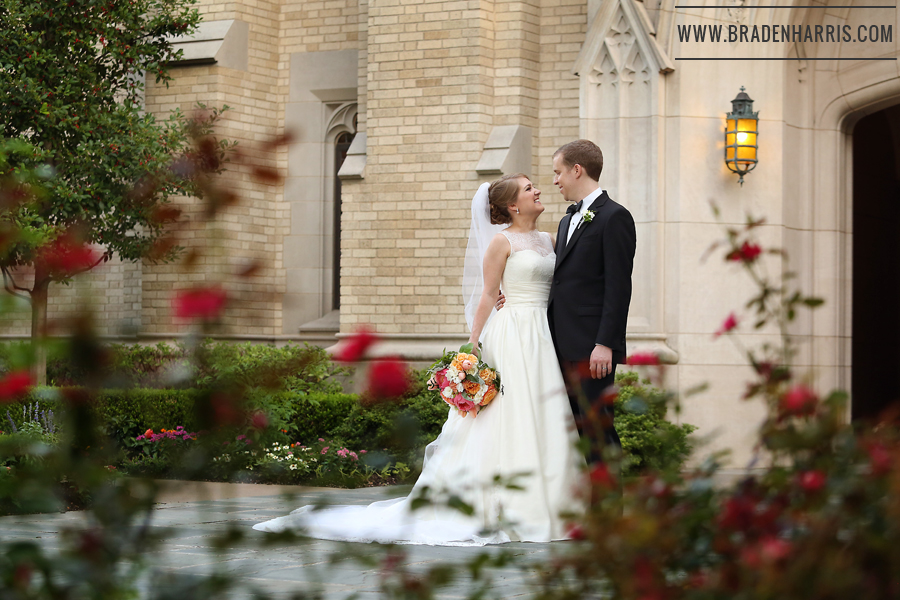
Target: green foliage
[(649, 441), (72, 88), (292, 368)]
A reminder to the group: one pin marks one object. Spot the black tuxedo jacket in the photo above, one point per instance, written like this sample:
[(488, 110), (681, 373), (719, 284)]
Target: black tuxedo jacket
[(591, 287)]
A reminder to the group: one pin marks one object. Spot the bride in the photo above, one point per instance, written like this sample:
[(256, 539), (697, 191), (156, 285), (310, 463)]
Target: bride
[(526, 435)]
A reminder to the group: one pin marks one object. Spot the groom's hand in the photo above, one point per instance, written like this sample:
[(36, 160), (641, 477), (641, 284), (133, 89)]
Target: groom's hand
[(601, 361)]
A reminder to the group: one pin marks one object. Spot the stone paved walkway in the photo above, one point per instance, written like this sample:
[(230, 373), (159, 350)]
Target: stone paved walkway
[(285, 569)]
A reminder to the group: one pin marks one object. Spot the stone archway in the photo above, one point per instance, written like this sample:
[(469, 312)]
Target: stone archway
[(823, 103)]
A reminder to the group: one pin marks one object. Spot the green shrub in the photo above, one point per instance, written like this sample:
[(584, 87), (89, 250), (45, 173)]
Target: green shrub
[(293, 368), (649, 441)]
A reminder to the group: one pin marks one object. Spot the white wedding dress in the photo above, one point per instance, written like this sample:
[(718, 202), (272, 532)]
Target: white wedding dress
[(528, 429)]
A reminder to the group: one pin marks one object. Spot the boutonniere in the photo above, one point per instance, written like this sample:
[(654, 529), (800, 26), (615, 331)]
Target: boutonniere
[(587, 217)]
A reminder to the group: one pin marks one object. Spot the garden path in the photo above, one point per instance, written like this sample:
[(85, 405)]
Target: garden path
[(194, 515)]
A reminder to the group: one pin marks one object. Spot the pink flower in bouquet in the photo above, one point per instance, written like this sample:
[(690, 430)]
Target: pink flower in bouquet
[(465, 405), (466, 364), (441, 378)]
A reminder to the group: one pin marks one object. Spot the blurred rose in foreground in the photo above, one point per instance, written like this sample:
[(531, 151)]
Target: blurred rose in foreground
[(205, 304), (14, 385), (748, 252), (66, 256), (388, 378), (353, 349), (730, 323), (799, 401), (642, 358)]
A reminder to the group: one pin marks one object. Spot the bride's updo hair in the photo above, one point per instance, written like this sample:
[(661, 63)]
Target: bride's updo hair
[(501, 194)]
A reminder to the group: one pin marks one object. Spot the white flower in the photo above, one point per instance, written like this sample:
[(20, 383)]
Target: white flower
[(459, 387), (293, 467), (447, 392), (452, 374)]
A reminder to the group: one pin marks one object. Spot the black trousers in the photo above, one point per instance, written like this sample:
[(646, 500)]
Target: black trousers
[(593, 408)]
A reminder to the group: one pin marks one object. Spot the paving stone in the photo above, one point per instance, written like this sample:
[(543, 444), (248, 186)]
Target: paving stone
[(282, 569)]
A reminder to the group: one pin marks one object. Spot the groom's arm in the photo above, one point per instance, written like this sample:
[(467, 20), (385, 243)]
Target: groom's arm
[(619, 242)]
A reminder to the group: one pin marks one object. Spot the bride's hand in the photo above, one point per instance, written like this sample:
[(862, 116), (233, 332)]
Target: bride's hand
[(501, 300)]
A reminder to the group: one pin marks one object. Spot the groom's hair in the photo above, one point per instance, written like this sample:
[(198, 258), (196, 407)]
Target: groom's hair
[(584, 153)]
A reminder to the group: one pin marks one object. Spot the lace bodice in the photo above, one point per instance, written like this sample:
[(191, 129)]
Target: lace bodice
[(529, 269), (532, 240)]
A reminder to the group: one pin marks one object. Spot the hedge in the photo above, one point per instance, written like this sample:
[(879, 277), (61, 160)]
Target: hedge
[(401, 428)]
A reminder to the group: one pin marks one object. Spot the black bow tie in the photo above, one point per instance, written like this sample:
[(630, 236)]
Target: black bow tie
[(574, 208)]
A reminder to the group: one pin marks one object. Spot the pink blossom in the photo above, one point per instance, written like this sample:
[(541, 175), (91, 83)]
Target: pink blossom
[(354, 456), (729, 324), (643, 358), (325, 449), (441, 378), (201, 303), (799, 400), (466, 364), (388, 378), (747, 253), (14, 385), (363, 451), (321, 439), (465, 404), (353, 349), (812, 481)]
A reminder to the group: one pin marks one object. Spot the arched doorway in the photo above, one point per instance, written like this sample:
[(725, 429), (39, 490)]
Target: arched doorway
[(875, 379)]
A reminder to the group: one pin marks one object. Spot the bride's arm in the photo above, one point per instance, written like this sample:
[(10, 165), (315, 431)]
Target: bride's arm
[(494, 263)]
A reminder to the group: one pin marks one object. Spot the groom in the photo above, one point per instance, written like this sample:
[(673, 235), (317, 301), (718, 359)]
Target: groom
[(591, 288)]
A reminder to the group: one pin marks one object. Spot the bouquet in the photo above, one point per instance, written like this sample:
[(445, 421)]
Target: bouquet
[(464, 381)]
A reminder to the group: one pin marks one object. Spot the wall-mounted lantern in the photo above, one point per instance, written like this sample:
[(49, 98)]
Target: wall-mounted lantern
[(741, 131)]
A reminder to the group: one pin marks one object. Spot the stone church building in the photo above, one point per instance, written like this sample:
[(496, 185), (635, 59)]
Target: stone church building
[(399, 109)]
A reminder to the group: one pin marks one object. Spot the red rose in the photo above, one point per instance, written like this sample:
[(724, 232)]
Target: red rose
[(799, 400), (388, 378), (354, 347), (601, 476), (747, 253), (729, 324), (14, 385), (812, 481), (65, 256), (882, 460), (574, 531), (643, 358), (738, 513), (199, 303)]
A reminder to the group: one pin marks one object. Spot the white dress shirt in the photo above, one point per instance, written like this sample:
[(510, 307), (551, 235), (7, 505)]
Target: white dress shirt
[(577, 218)]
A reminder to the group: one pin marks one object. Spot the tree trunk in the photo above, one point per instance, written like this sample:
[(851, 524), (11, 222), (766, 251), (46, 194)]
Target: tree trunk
[(39, 324)]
